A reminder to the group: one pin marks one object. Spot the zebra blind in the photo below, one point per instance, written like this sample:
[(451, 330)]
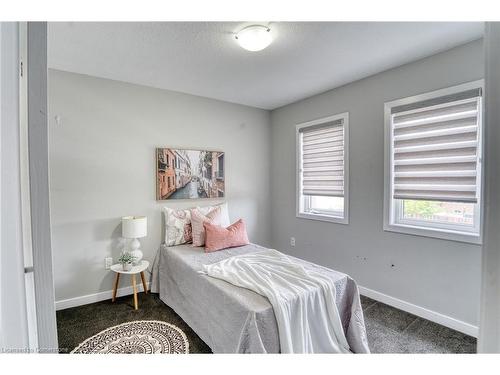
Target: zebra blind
[(322, 162), (435, 149)]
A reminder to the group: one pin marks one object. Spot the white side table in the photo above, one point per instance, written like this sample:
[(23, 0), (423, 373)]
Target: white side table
[(140, 268)]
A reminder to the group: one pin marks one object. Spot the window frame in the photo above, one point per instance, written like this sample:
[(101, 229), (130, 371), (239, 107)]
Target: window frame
[(220, 167), (393, 208), (300, 204)]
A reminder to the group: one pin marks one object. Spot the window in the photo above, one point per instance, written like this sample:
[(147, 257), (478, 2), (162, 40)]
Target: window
[(220, 163), (433, 164), (322, 169)]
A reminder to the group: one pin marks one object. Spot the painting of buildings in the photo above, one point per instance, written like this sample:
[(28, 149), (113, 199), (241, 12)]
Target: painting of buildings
[(166, 172), (189, 174)]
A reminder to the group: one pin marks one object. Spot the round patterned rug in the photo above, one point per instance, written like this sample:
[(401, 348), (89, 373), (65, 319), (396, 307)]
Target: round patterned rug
[(140, 336)]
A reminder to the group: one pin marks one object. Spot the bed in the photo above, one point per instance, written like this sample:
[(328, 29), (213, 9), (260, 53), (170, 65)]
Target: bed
[(231, 319)]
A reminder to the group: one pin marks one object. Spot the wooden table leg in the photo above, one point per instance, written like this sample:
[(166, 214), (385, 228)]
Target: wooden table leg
[(144, 283), (135, 292), (115, 287)]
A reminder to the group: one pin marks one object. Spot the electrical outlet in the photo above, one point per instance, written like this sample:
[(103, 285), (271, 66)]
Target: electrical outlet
[(292, 241), (108, 262)]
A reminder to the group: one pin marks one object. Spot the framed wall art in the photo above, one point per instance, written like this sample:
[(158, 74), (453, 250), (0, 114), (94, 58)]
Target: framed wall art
[(189, 174)]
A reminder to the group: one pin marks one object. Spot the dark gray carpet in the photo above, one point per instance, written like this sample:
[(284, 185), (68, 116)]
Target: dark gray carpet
[(389, 330), (76, 324), (394, 331)]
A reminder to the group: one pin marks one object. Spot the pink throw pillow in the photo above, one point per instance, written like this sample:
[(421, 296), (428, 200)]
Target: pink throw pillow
[(218, 238), (197, 220)]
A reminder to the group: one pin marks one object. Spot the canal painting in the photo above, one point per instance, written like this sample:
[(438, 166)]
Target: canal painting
[(189, 174)]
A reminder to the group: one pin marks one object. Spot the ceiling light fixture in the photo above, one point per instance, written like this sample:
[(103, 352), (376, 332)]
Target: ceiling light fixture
[(254, 38)]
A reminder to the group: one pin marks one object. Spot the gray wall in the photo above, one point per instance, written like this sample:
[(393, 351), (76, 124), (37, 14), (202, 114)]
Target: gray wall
[(439, 275), (102, 167)]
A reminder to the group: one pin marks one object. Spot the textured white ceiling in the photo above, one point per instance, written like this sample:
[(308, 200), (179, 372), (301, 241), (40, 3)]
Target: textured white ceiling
[(202, 58)]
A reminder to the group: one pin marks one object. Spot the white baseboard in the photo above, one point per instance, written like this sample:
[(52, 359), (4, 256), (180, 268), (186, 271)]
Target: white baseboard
[(422, 312), (91, 298)]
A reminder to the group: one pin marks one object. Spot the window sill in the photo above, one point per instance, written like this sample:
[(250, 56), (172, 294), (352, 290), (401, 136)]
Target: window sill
[(443, 234), (323, 217)]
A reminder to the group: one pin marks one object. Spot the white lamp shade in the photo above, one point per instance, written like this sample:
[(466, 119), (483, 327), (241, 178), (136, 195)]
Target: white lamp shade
[(134, 226)]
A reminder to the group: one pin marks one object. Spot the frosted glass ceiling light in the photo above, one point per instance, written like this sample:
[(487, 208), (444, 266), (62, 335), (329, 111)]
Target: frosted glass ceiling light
[(254, 38)]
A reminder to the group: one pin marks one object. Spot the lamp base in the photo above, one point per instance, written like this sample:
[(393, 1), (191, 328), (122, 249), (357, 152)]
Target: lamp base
[(135, 251)]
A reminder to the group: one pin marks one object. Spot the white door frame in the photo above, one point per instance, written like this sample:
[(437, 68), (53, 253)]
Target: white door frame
[(489, 329), (38, 147), (27, 302), (13, 309)]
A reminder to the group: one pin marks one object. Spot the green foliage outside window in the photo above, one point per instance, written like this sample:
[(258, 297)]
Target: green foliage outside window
[(421, 208)]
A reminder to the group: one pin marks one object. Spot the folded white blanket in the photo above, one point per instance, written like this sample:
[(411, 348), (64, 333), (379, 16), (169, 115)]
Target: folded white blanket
[(303, 301)]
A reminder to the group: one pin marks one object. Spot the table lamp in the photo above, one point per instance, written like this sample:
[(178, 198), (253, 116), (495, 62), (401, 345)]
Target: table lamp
[(135, 227)]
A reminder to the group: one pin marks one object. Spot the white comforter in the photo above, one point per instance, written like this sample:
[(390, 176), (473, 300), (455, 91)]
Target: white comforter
[(303, 301)]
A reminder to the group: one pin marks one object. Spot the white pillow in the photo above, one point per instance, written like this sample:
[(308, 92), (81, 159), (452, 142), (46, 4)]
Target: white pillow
[(224, 220)]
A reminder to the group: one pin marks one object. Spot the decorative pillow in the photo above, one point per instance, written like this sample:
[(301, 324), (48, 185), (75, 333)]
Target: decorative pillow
[(197, 220), (224, 213), (177, 226), (218, 238)]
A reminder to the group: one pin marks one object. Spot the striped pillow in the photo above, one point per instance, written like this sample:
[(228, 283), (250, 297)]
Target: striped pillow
[(197, 220)]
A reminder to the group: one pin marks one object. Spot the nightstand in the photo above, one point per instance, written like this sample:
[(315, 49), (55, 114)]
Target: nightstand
[(140, 268)]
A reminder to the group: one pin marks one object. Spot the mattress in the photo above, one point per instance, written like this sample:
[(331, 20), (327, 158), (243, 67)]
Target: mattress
[(231, 319)]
